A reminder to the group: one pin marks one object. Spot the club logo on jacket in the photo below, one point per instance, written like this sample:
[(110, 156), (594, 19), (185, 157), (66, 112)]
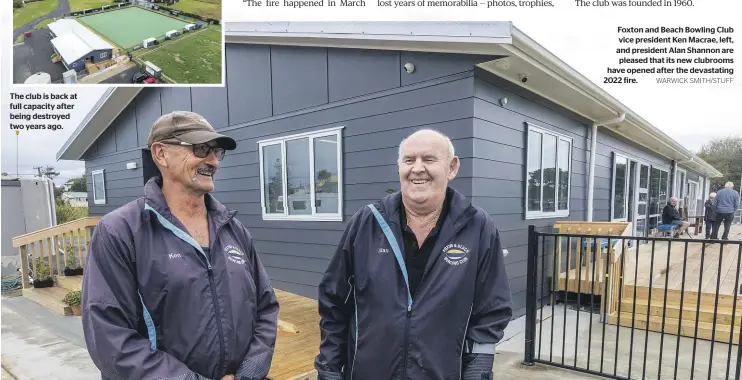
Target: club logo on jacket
[(234, 254), (455, 254)]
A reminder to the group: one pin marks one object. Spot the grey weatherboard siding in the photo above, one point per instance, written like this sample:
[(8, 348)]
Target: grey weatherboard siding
[(274, 91)]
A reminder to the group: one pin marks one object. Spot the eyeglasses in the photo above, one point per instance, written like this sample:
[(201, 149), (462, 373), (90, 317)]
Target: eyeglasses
[(200, 150)]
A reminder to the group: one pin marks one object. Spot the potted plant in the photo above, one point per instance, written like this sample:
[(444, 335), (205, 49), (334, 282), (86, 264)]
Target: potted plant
[(72, 268), (72, 299), (43, 276)]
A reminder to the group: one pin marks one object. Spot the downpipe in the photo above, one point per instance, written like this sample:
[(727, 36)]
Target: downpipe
[(593, 147)]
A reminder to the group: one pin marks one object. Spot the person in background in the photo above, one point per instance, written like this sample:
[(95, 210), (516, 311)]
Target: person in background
[(173, 287), (727, 202), (670, 215), (417, 288), (709, 214)]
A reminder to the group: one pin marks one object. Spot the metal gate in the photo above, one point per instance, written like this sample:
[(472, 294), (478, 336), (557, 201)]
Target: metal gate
[(634, 307)]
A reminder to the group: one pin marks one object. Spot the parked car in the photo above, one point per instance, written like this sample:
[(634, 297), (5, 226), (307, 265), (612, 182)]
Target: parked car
[(139, 77), (151, 80)]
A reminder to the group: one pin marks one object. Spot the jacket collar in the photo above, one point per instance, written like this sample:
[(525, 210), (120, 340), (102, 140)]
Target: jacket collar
[(153, 197)]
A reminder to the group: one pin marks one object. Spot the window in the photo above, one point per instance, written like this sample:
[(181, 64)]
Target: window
[(301, 176), (658, 184), (620, 188), (548, 174), (681, 184), (104, 54), (99, 187)]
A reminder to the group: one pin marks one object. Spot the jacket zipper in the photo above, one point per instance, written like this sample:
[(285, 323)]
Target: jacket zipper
[(406, 337), (218, 320), (409, 311), (220, 367)]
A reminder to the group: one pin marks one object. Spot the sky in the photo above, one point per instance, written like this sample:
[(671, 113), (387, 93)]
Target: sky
[(584, 38)]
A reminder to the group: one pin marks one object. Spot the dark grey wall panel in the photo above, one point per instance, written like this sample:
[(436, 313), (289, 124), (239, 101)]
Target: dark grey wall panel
[(355, 72), (126, 130), (175, 99), (107, 142), (299, 78), (435, 65), (248, 82), (211, 103), (378, 111), (122, 185), (609, 142), (148, 109), (102, 162), (692, 176)]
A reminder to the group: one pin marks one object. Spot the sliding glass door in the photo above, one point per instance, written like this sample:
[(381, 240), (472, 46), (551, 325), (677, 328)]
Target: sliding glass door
[(642, 197), (658, 184), (639, 193)]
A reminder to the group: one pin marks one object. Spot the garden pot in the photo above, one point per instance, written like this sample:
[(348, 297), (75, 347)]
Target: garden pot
[(76, 310), (73, 272), (48, 283)]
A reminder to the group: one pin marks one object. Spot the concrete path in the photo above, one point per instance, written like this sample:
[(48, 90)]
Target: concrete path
[(59, 11), (510, 354), (44, 345)]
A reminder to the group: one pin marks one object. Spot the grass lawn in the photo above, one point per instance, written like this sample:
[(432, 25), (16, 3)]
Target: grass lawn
[(210, 9), (79, 5), (43, 24), (191, 58), (130, 26), (32, 11)]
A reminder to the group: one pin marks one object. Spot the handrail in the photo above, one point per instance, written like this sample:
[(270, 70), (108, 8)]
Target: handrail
[(46, 246), (627, 232), (89, 221)]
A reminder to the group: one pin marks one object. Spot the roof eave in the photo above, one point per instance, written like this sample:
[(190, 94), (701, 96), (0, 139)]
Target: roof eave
[(100, 116)]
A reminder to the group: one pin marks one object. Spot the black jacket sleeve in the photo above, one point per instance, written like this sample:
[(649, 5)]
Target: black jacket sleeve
[(336, 304), (492, 309)]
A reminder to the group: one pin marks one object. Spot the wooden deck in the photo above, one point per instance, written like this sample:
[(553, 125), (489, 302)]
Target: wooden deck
[(295, 351), (670, 286), (705, 265)]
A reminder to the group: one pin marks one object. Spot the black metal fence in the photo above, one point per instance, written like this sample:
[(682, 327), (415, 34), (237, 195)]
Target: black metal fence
[(631, 307)]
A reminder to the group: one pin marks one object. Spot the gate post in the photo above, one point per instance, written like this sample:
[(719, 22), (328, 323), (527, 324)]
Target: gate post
[(532, 280)]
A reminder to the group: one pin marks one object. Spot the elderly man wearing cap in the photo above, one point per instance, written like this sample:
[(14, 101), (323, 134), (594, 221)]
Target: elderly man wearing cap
[(173, 287)]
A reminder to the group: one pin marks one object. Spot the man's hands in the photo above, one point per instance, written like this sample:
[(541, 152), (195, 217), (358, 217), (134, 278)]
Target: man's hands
[(228, 377)]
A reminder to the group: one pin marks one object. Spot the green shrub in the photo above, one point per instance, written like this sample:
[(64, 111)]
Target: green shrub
[(67, 213), (73, 298), (43, 272), (71, 257)]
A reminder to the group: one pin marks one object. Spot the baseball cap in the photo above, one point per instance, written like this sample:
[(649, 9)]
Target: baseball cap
[(188, 127)]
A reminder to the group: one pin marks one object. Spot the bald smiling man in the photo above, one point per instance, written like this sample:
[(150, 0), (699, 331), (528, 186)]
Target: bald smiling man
[(417, 288)]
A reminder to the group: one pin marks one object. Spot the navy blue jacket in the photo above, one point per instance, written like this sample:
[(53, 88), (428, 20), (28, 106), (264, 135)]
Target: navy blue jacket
[(155, 306), (369, 328)]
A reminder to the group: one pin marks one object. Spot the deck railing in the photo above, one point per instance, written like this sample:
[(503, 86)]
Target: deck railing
[(54, 245), (630, 305)]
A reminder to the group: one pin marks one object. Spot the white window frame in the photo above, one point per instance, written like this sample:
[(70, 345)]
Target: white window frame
[(95, 191), (557, 213), (679, 193), (616, 156), (334, 217), (104, 54)]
